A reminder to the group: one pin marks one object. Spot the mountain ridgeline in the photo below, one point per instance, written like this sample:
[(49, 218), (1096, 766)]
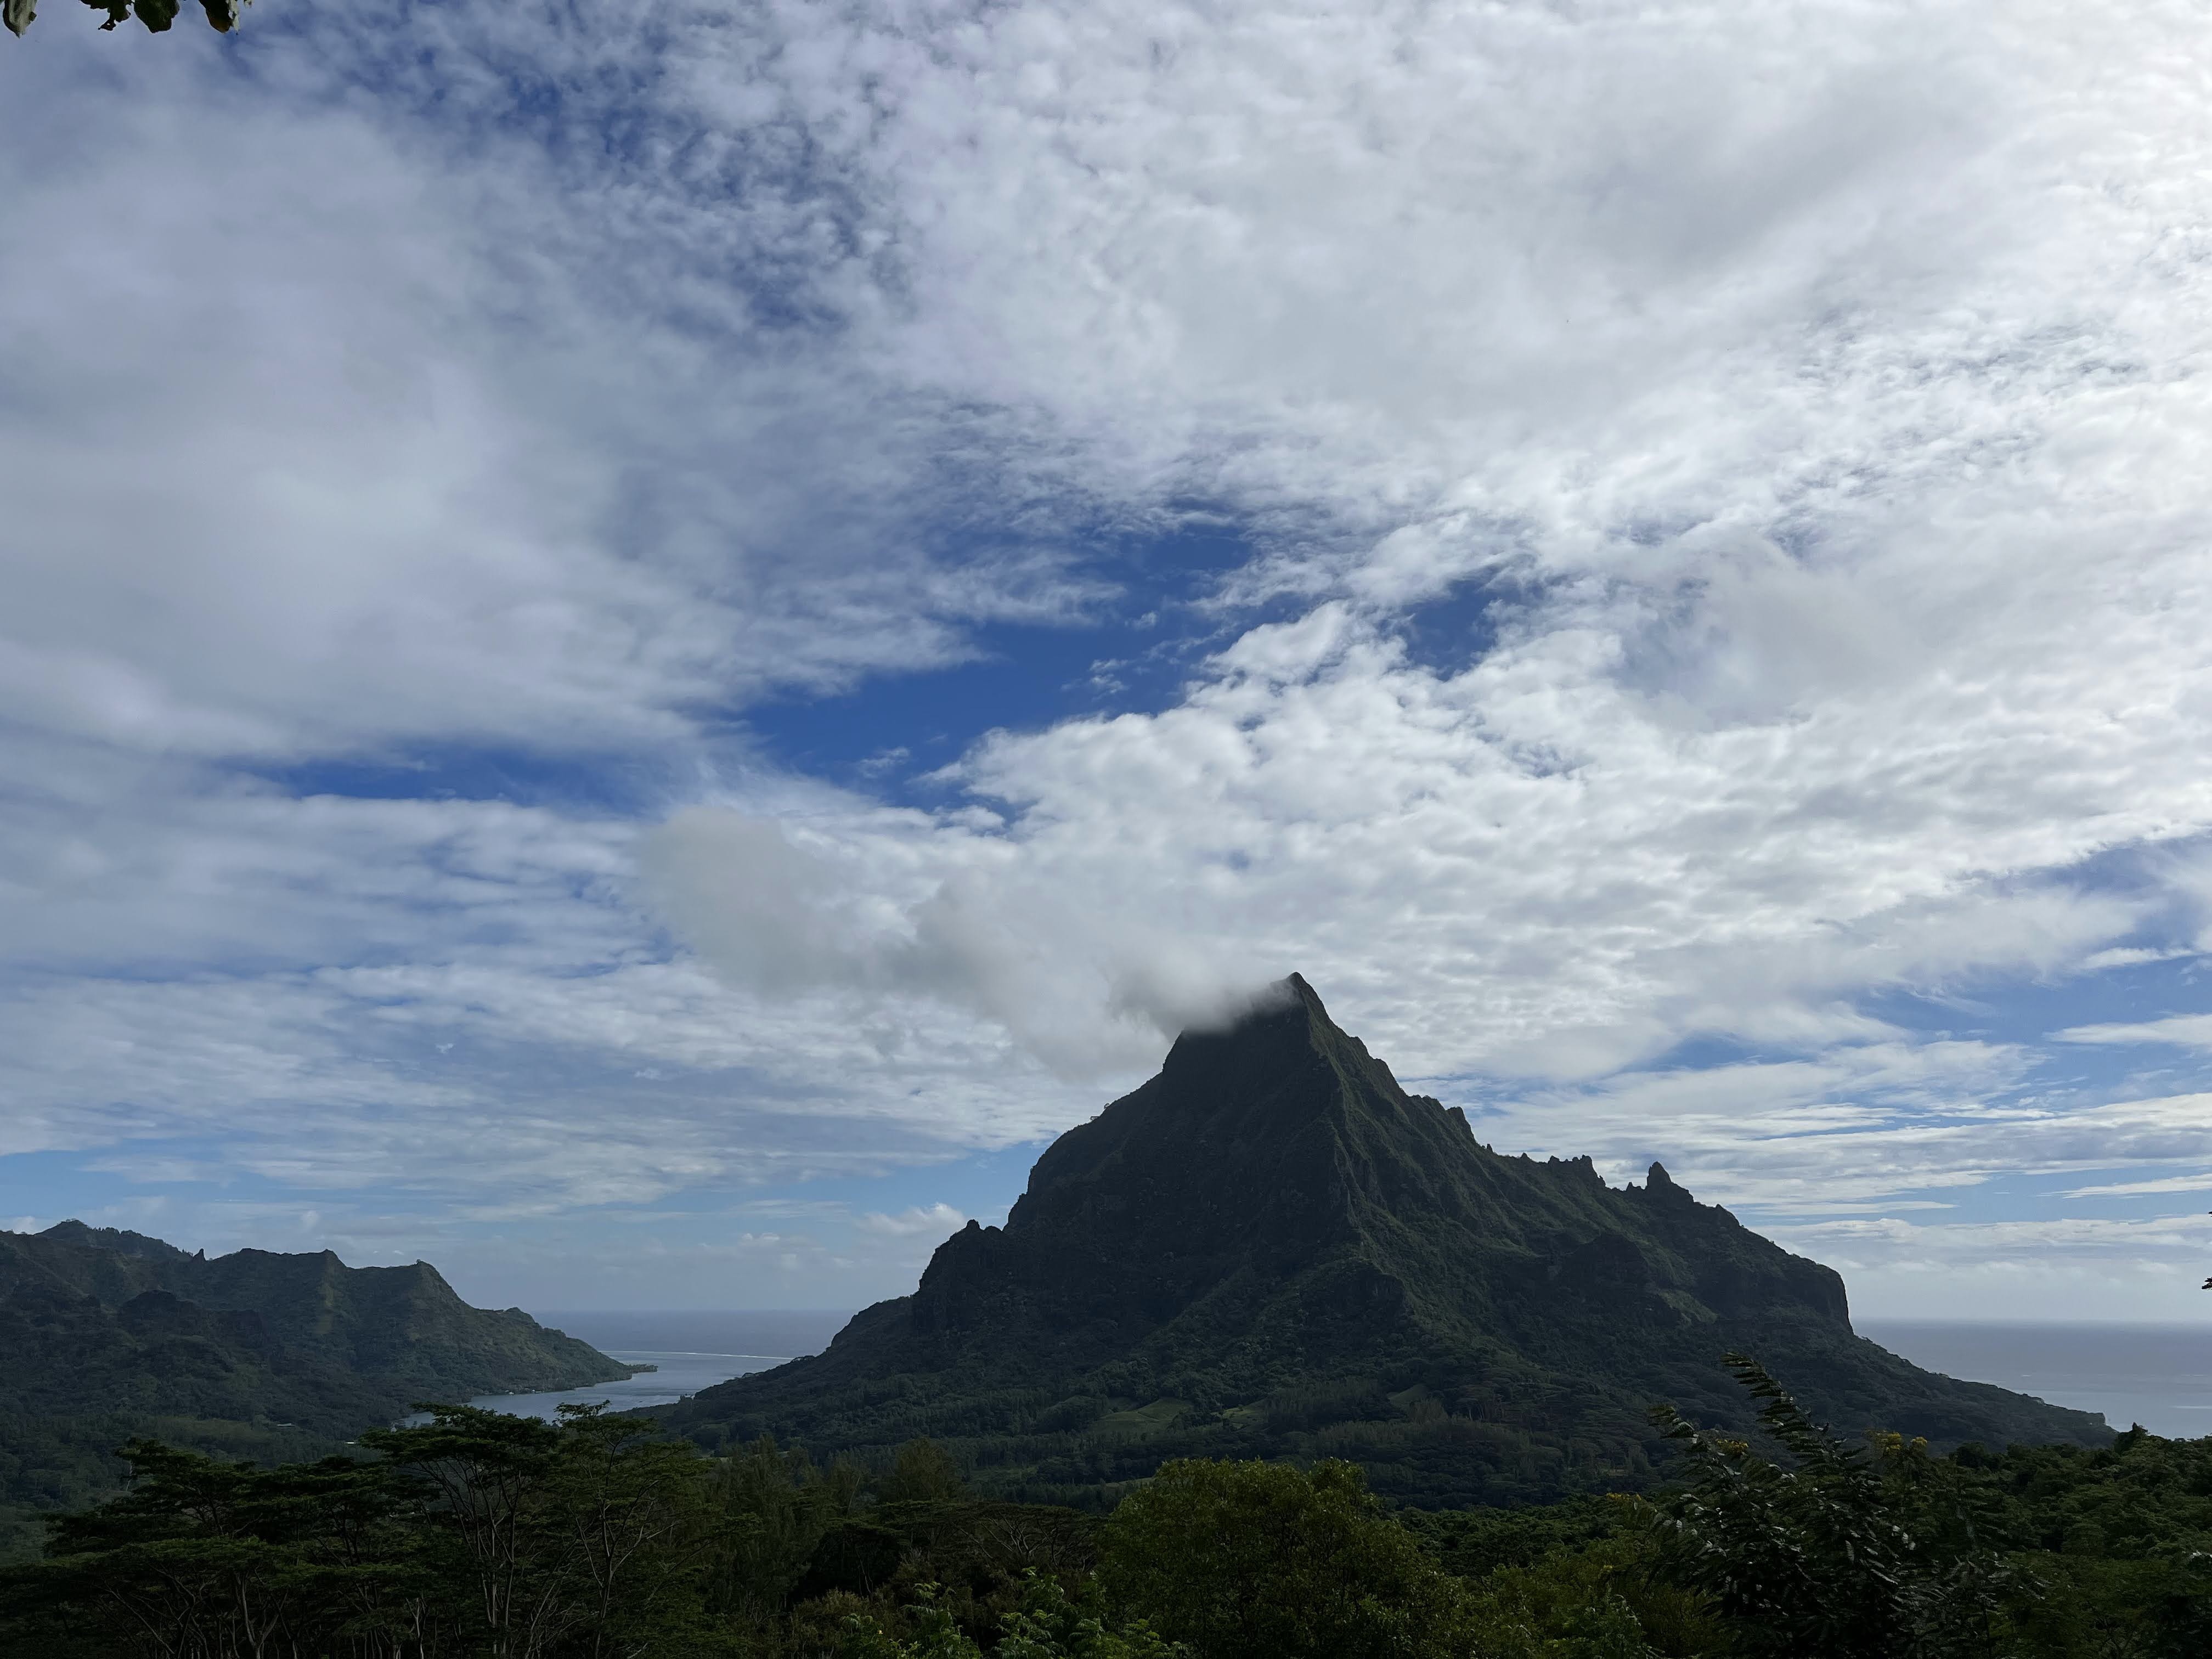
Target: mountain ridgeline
[(1271, 1248), (95, 1319), (106, 1334)]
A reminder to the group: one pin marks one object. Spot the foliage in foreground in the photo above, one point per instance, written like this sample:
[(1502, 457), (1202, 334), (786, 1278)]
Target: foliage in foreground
[(1880, 1552), (475, 1532), (480, 1534), (1259, 1560)]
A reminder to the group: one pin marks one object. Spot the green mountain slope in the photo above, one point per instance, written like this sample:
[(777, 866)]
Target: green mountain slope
[(106, 1335), (1272, 1249), (391, 1334)]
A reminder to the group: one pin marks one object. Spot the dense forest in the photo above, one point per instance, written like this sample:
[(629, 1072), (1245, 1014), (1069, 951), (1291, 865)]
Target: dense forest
[(477, 1534), (108, 1336)]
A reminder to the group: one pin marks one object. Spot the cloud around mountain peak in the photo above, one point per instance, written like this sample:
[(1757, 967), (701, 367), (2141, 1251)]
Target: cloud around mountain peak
[(1705, 608)]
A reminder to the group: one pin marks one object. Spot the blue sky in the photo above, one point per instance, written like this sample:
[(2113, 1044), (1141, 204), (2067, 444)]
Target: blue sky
[(637, 653)]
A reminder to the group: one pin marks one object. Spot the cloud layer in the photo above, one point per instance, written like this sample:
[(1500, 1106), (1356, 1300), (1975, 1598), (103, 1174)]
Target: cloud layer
[(1713, 664)]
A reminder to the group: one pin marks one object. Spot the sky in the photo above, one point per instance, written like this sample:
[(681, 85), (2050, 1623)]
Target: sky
[(639, 646)]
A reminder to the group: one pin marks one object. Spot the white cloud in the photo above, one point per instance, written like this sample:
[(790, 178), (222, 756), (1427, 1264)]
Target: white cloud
[(2182, 1183), (1765, 1139), (933, 1221), (2028, 1270), (379, 467), (1509, 870), (914, 911), (2181, 1031), (1815, 388)]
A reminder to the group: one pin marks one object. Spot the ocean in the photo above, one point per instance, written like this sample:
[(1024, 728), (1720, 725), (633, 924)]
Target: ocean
[(2158, 1375)]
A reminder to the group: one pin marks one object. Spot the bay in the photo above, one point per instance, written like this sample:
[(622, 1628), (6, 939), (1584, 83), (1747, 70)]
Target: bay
[(690, 1350)]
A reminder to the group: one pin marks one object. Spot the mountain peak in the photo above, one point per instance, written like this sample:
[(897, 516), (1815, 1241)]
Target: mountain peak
[(1294, 992), (77, 1234), (1280, 1005), (1283, 1023), (1270, 1248)]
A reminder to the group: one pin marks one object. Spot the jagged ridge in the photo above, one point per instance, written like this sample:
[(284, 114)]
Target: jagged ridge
[(1273, 1249)]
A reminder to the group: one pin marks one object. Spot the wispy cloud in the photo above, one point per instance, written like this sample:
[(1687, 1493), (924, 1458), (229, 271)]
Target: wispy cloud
[(2182, 1183), (2181, 1031), (934, 1221), (1659, 447)]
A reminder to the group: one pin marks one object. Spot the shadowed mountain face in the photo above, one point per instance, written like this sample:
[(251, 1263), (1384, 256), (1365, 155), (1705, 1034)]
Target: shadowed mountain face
[(92, 1319), (107, 1336), (1272, 1249)]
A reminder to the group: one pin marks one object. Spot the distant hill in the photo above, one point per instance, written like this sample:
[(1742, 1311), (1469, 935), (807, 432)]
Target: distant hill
[(1271, 1248), (105, 1334)]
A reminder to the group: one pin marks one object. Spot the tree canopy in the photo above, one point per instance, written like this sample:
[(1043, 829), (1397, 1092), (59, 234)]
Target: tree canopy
[(475, 1535)]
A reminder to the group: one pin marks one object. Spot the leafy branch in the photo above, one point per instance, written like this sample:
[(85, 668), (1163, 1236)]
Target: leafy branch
[(155, 14), (1844, 1551)]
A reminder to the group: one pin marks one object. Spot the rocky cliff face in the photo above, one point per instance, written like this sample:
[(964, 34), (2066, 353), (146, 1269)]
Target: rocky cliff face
[(1270, 1248)]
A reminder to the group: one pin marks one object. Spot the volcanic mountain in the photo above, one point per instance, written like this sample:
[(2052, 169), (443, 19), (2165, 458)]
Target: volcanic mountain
[(1271, 1248)]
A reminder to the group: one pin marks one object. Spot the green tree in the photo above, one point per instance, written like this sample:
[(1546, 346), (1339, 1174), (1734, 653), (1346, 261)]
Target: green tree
[(474, 1534), (631, 1513), (923, 1472), (588, 1537), (935, 1635), (769, 1510), (478, 1474), (1046, 1625), (1049, 1625), (1844, 1552), (1264, 1561), (204, 1557)]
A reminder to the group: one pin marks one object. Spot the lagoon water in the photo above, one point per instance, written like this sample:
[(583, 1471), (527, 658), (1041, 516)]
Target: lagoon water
[(676, 1374), (690, 1351), (2158, 1375)]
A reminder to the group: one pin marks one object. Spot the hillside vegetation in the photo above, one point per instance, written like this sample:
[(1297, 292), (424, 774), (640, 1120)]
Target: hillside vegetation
[(107, 1336), (1272, 1249), (479, 1534)]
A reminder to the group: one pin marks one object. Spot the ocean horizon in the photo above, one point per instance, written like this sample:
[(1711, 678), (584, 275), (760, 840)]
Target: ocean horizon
[(2157, 1375)]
